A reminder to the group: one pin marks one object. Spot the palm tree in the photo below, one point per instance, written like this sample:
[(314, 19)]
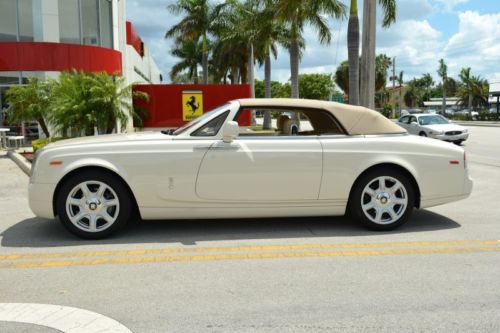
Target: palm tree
[(353, 52), (30, 102), (295, 14), (367, 71), (474, 90), (400, 82), (443, 74), (196, 25), (190, 53)]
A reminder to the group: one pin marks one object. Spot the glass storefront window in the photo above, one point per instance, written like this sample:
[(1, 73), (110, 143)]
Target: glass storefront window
[(8, 22), (8, 78), (69, 18), (26, 20), (90, 22), (106, 23)]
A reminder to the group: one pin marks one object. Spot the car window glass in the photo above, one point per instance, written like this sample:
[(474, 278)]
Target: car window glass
[(413, 119), (199, 119), (212, 127), (286, 122), (404, 120)]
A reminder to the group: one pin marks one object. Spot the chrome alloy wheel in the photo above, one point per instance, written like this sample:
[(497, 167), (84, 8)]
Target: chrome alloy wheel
[(384, 200), (92, 206)]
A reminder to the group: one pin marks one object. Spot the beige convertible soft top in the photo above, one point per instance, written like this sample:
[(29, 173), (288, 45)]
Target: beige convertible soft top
[(355, 119)]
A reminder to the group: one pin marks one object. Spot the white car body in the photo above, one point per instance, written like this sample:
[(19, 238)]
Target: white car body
[(186, 177), (415, 124)]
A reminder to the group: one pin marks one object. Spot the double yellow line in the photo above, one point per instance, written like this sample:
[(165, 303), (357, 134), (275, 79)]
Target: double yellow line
[(178, 254)]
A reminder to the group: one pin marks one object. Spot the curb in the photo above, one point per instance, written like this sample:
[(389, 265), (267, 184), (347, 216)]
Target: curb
[(20, 161), (477, 124)]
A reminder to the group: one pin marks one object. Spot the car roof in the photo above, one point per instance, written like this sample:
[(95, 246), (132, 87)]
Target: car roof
[(357, 120)]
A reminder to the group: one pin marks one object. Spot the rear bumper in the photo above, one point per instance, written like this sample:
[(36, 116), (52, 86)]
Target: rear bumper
[(435, 201), (40, 199)]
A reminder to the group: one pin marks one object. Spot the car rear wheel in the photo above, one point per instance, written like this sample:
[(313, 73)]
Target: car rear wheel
[(93, 204), (422, 134), (382, 199), (458, 142)]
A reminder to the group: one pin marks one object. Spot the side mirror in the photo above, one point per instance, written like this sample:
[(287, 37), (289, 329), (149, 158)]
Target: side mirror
[(230, 131)]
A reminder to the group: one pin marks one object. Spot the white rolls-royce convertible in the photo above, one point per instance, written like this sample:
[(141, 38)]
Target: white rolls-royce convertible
[(313, 158)]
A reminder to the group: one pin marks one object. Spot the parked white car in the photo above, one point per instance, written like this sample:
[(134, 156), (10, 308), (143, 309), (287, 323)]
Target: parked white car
[(350, 159), (434, 126)]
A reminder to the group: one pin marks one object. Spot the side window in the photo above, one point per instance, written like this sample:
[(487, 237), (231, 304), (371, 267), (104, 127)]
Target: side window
[(212, 127), (404, 119), (413, 119), (286, 122)]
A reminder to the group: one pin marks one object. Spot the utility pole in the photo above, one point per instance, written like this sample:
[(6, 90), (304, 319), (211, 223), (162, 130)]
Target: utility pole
[(394, 86)]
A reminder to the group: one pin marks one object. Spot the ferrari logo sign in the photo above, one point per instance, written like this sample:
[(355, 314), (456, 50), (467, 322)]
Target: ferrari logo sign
[(192, 104)]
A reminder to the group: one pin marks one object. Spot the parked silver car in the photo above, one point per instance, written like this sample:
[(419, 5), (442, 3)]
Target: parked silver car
[(434, 126)]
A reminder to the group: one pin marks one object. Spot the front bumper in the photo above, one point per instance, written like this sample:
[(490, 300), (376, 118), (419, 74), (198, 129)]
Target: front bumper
[(40, 199), (444, 137)]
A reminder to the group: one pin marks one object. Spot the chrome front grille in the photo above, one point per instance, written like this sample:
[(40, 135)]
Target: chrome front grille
[(453, 132)]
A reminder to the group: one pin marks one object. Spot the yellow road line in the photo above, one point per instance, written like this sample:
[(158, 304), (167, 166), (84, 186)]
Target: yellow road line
[(241, 256), (243, 248)]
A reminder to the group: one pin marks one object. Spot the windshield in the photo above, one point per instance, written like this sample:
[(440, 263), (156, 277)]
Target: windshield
[(432, 120), (200, 119)]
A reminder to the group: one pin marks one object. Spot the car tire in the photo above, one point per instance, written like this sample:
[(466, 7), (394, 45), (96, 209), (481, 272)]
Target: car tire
[(458, 142), (93, 204), (382, 199), (422, 134)]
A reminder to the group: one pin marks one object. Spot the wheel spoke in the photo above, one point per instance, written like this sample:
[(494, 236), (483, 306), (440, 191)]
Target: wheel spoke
[(92, 222), (381, 184), (81, 214), (76, 202), (105, 215), (369, 205), (399, 201), (378, 215), (370, 192), (100, 191), (392, 213), (110, 203), (85, 190)]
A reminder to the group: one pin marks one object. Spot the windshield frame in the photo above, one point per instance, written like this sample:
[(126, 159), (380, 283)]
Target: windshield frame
[(207, 116)]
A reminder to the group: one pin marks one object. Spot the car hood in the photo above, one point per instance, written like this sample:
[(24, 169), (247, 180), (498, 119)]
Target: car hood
[(110, 138), (445, 127)]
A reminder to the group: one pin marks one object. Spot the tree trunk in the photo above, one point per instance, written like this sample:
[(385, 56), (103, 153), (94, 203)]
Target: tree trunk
[(444, 97), (205, 67), (267, 82), (367, 72), (294, 67), (251, 78), (43, 125), (251, 71), (470, 105), (353, 55)]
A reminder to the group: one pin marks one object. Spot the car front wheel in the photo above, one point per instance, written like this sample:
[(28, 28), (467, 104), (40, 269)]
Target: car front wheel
[(93, 204), (382, 200)]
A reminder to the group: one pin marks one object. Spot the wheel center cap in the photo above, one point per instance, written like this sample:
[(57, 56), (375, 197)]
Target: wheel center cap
[(93, 204), (383, 198)]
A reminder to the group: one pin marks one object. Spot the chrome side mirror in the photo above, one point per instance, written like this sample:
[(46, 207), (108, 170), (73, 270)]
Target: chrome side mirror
[(230, 131)]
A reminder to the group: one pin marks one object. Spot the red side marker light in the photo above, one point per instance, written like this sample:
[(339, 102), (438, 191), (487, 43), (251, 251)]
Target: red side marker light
[(454, 162), (56, 163)]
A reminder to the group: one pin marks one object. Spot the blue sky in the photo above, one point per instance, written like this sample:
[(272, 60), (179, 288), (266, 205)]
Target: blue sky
[(466, 33)]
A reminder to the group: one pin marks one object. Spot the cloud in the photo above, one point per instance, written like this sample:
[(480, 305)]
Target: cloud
[(475, 45), (449, 5)]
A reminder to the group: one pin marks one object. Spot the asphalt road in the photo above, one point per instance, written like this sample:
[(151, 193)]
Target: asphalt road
[(438, 273)]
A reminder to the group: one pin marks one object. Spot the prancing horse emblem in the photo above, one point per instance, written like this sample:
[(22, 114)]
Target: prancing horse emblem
[(192, 104)]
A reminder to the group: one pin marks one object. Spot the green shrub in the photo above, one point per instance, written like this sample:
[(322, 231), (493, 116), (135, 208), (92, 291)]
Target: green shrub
[(40, 143)]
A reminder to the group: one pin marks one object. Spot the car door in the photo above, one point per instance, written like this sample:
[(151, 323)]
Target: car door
[(403, 122), (413, 127), (261, 169)]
